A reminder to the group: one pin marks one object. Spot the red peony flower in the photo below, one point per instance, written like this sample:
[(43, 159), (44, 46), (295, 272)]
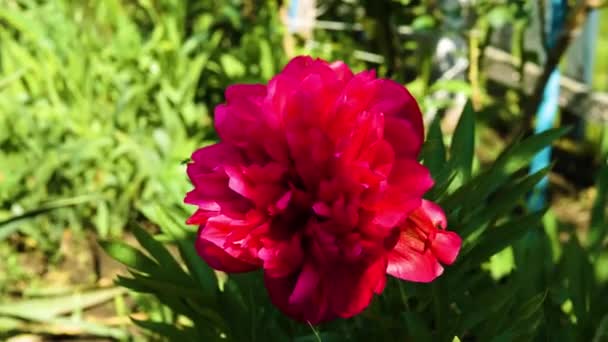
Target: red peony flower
[(316, 181)]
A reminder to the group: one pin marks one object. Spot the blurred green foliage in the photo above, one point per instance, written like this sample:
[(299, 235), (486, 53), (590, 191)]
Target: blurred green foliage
[(106, 98)]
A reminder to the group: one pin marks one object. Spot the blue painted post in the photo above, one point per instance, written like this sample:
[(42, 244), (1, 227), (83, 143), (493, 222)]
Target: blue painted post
[(549, 106)]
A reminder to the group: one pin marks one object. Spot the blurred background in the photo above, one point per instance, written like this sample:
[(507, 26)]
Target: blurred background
[(102, 102)]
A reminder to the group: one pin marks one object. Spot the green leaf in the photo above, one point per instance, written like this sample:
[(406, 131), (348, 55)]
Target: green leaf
[(462, 148), (8, 225), (492, 300), (601, 333), (129, 256), (519, 154), (505, 200), (41, 309), (550, 223), (423, 22), (157, 250), (196, 266), (62, 327), (579, 274), (502, 236), (328, 336), (416, 327), (524, 321), (169, 331), (102, 220), (499, 16), (232, 66), (512, 159), (433, 152), (529, 310), (599, 222), (266, 62), (146, 284)]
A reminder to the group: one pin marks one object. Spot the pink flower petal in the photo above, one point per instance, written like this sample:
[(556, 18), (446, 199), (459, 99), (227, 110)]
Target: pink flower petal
[(209, 158), (353, 289), (410, 177), (342, 70), (307, 282), (434, 213), (407, 263), (281, 258), (218, 259), (237, 92), (200, 217), (313, 311), (446, 246), (402, 136), (298, 66), (393, 99)]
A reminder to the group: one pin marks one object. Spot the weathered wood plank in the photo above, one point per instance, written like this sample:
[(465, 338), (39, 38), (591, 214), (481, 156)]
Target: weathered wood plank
[(575, 97)]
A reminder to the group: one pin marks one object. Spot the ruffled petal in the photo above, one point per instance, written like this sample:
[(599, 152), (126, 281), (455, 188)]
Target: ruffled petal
[(218, 259), (446, 246), (342, 71), (407, 263), (261, 184), (314, 310), (238, 92), (352, 288), (404, 140), (281, 258), (298, 67), (393, 99), (241, 124), (307, 283), (434, 213), (409, 177), (209, 158)]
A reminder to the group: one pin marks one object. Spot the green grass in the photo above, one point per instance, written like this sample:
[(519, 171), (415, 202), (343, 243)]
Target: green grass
[(600, 76), (107, 98)]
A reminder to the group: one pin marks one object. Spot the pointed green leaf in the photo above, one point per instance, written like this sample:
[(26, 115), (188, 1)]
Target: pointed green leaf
[(498, 238), (601, 333), (462, 148), (156, 249), (530, 307), (433, 152), (599, 222), (521, 153), (417, 328), (50, 307), (129, 256), (579, 275), (490, 301), (502, 203), (196, 266), (167, 330), (145, 284), (266, 62), (514, 158)]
